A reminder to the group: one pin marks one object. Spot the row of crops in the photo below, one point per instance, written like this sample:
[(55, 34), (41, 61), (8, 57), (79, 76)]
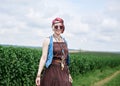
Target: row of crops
[(18, 65), (84, 62)]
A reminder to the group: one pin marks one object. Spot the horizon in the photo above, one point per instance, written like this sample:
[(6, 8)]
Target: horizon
[(70, 49)]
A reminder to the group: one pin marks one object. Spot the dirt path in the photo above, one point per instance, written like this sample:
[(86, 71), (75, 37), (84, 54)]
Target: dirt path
[(107, 79)]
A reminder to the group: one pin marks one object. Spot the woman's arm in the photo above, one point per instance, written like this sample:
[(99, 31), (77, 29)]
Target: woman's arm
[(44, 56), (42, 60)]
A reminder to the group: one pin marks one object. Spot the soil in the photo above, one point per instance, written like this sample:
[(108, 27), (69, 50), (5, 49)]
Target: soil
[(107, 79)]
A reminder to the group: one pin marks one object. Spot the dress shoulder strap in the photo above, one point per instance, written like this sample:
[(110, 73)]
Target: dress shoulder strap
[(64, 40)]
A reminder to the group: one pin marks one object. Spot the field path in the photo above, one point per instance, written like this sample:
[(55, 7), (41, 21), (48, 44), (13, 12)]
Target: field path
[(107, 79)]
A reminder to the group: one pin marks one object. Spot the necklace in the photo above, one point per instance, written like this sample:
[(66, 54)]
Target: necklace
[(58, 39)]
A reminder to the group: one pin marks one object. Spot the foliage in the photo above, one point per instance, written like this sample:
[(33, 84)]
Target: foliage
[(84, 62), (19, 65)]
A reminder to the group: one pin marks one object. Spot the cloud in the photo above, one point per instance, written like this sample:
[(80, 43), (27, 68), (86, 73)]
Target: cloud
[(28, 22)]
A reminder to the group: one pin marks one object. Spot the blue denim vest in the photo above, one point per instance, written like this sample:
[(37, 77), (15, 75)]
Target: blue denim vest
[(50, 53)]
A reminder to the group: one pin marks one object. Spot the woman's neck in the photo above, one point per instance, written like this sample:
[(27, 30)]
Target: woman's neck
[(57, 37)]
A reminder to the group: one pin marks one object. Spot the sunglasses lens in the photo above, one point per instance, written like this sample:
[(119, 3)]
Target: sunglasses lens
[(59, 27), (56, 27)]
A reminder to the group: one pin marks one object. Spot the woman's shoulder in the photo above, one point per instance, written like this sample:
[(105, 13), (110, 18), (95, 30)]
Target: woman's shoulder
[(46, 41)]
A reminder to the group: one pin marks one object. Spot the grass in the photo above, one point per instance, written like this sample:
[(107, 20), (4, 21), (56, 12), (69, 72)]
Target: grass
[(90, 78), (114, 82)]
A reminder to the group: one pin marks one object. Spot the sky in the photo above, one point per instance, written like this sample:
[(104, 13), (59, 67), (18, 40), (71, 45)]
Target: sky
[(92, 25)]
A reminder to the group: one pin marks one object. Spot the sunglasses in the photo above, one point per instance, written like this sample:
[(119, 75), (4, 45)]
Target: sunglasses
[(58, 27)]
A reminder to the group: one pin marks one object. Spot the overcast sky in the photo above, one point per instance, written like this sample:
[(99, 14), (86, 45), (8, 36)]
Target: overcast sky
[(89, 24)]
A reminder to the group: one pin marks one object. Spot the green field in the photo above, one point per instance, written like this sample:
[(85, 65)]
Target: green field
[(90, 78), (18, 66), (114, 82)]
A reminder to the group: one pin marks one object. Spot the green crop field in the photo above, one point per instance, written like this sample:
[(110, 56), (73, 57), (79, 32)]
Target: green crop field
[(83, 62), (18, 65)]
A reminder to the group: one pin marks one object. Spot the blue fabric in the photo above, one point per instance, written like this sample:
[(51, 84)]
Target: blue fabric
[(50, 53)]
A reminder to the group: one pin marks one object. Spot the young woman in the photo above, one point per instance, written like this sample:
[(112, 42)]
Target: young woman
[(55, 57)]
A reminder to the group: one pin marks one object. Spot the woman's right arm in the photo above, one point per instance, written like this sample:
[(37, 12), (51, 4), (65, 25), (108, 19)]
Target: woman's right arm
[(42, 60)]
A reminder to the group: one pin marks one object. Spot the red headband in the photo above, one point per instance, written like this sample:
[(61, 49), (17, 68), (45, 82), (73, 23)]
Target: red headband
[(57, 19)]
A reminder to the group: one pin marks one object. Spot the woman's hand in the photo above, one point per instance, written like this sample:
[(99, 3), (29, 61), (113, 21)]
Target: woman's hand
[(38, 81), (70, 78)]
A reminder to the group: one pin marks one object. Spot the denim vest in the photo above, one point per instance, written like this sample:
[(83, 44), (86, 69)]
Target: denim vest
[(50, 53)]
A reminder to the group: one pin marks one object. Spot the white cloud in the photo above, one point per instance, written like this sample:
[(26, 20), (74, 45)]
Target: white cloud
[(110, 23), (104, 38), (114, 5), (28, 22)]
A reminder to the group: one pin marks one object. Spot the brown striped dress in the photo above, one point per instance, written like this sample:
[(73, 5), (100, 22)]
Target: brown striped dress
[(54, 75)]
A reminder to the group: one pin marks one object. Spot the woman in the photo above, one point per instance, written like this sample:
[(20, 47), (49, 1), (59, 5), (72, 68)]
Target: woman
[(55, 57)]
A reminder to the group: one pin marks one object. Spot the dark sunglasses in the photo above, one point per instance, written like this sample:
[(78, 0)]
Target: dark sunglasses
[(58, 27)]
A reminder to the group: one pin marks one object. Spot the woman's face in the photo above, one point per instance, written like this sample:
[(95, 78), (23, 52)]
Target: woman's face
[(58, 28)]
